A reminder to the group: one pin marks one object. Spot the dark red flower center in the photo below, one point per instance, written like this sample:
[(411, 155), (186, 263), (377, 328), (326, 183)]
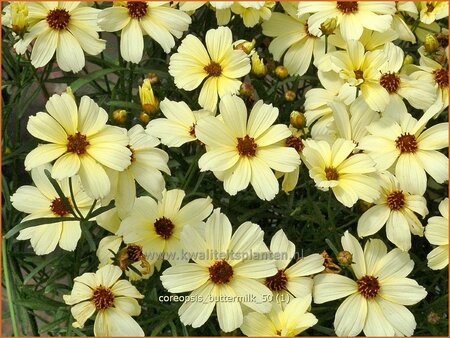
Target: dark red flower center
[(221, 272), (58, 18)]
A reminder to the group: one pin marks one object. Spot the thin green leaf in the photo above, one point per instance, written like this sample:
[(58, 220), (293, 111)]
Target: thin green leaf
[(77, 84)]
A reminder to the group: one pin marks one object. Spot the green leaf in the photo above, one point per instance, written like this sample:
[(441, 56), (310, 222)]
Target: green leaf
[(77, 84), (101, 210), (40, 267)]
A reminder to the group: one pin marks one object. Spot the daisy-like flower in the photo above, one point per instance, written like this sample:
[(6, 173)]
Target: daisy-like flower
[(436, 232), (242, 152), (253, 13), (224, 273), (398, 86), (79, 141), (287, 322), (129, 258), (293, 39), (218, 63), (147, 163), (431, 71), (156, 225), (350, 176), (136, 18), (67, 28), (430, 11), (113, 299), (178, 126), (376, 299), (410, 148), (41, 201), (351, 16), (296, 280), (395, 208)]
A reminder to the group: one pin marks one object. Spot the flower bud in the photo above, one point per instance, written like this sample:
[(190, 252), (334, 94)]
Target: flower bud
[(153, 77), (246, 89), (330, 266), (119, 116), (328, 26), (149, 102), (144, 117), (19, 16), (246, 46), (344, 258), (281, 72), (409, 60), (289, 95), (258, 67), (431, 44), (433, 318), (297, 119)]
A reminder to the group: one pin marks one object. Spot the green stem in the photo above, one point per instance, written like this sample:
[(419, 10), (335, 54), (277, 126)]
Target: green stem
[(72, 196), (8, 289)]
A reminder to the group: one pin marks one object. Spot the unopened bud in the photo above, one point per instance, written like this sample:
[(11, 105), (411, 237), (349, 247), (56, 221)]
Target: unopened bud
[(144, 117), (246, 46), (246, 89), (433, 318), (281, 72), (344, 258), (431, 44), (297, 119), (149, 102), (328, 26), (153, 77), (409, 60), (119, 116), (258, 67), (19, 16), (289, 95)]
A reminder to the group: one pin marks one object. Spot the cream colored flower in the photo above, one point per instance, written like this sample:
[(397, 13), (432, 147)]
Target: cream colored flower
[(395, 208), (80, 142), (146, 168), (156, 225), (178, 126), (375, 300), (287, 322), (242, 151), (352, 16), (296, 280), (253, 13), (114, 301), (67, 28), (410, 149), (430, 11), (293, 40), (41, 201), (436, 232), (218, 63), (223, 274), (137, 18), (350, 176)]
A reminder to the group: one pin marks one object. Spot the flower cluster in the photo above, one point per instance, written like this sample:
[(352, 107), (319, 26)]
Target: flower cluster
[(208, 156)]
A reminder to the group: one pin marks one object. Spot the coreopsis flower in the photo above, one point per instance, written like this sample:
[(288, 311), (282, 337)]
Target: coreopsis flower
[(67, 28), (16, 16), (113, 299), (287, 322), (293, 40), (395, 207), (375, 300), (436, 232), (360, 70), (41, 201), (351, 16), (222, 9), (431, 71), (218, 63), (156, 225), (371, 40), (409, 149), (296, 280), (149, 102), (243, 151), (178, 126), (146, 168), (430, 11), (224, 273), (253, 13), (350, 176), (137, 18), (398, 86), (80, 142), (129, 258)]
